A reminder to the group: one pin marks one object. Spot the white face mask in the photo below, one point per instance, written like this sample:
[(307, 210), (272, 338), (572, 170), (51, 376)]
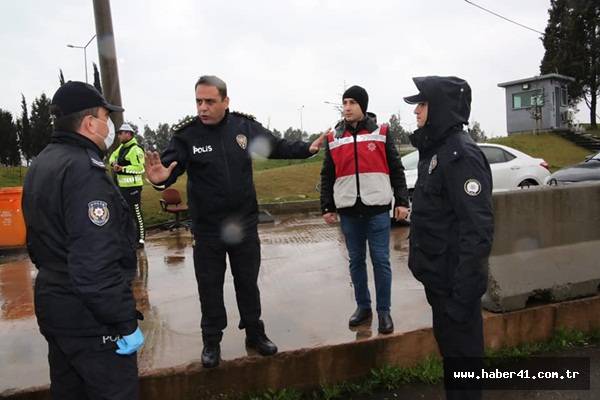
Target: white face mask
[(110, 136)]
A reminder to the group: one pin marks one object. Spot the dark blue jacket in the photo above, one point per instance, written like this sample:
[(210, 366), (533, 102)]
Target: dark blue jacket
[(81, 238), (452, 228), (218, 161)]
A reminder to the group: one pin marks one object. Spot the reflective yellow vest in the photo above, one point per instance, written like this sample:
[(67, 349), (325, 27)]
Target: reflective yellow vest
[(130, 156)]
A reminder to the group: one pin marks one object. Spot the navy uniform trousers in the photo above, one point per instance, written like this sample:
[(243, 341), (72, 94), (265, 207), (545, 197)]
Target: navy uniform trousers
[(461, 342), (88, 368), (209, 265), (133, 197)]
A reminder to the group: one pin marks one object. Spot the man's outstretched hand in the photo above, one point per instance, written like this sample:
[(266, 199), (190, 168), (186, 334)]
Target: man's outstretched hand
[(316, 145), (155, 171)]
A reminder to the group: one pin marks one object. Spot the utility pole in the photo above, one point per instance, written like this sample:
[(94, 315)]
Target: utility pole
[(107, 55)]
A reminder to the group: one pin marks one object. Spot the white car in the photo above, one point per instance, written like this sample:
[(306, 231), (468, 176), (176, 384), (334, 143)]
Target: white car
[(511, 168)]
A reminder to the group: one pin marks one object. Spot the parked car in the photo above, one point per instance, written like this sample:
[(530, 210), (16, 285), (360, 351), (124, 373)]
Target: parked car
[(586, 171), (511, 168)]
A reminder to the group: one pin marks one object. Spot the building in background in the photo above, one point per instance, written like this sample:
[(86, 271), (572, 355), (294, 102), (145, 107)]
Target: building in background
[(537, 104)]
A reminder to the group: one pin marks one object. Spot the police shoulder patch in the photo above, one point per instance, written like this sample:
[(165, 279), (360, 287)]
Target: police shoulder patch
[(95, 161), (187, 121), (472, 187), (98, 212), (244, 115)]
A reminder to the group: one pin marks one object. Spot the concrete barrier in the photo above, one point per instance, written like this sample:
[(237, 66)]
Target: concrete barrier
[(546, 245)]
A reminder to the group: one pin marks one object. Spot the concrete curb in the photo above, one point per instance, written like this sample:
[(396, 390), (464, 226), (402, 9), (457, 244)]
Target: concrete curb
[(290, 207), (307, 368)]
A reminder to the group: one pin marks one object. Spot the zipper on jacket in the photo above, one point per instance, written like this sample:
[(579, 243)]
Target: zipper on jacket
[(355, 135), (227, 173)]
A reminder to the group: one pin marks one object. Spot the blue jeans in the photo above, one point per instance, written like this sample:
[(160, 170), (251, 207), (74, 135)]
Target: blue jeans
[(376, 231)]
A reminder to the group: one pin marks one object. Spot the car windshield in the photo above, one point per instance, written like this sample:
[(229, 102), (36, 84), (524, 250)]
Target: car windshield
[(596, 157), (411, 160)]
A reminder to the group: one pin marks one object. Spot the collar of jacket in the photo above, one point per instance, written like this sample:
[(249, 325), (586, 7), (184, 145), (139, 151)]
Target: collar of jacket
[(76, 139), (218, 124), (130, 142), (367, 123), (426, 138)]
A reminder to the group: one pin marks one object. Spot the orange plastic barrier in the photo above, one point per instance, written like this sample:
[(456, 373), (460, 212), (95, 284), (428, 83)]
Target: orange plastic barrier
[(12, 225)]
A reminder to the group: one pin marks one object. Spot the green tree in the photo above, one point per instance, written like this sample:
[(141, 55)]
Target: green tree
[(97, 84), (294, 134), (24, 131), (41, 124), (477, 134), (150, 138), (398, 134), (9, 143), (572, 44), (163, 136)]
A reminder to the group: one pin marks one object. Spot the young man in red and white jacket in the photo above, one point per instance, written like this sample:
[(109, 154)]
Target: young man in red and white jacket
[(362, 173)]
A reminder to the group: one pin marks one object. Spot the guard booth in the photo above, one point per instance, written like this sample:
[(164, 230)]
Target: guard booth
[(12, 224), (539, 103)]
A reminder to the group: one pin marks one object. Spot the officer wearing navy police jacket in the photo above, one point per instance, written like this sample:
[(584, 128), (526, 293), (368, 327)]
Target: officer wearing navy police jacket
[(451, 228), (215, 148), (81, 238)]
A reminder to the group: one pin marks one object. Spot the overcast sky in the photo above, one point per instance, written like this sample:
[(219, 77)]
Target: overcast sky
[(280, 59)]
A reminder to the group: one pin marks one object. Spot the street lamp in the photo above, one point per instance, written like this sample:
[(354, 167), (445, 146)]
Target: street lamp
[(300, 109), (84, 54), (337, 106)]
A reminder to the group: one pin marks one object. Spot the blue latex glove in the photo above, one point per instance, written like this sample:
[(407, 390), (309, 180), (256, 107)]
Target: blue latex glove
[(131, 343)]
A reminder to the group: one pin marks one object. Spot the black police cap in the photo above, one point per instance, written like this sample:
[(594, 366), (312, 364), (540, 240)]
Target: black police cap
[(416, 99), (76, 96)]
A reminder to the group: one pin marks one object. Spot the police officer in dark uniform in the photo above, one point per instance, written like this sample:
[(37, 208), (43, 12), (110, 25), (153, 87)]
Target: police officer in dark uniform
[(81, 238), (451, 228), (215, 148)]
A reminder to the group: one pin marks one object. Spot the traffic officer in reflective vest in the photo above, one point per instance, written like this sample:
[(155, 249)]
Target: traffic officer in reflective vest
[(361, 175), (80, 237), (127, 163), (451, 227)]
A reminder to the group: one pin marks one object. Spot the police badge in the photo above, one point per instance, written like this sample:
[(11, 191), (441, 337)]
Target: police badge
[(242, 140), (472, 187), (98, 212), (432, 163)]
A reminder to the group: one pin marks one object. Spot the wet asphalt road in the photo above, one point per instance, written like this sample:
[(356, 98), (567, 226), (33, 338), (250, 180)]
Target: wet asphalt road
[(305, 286)]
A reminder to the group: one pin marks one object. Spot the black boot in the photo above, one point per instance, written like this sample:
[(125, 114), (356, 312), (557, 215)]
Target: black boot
[(261, 343), (386, 325), (211, 355), (360, 316)]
